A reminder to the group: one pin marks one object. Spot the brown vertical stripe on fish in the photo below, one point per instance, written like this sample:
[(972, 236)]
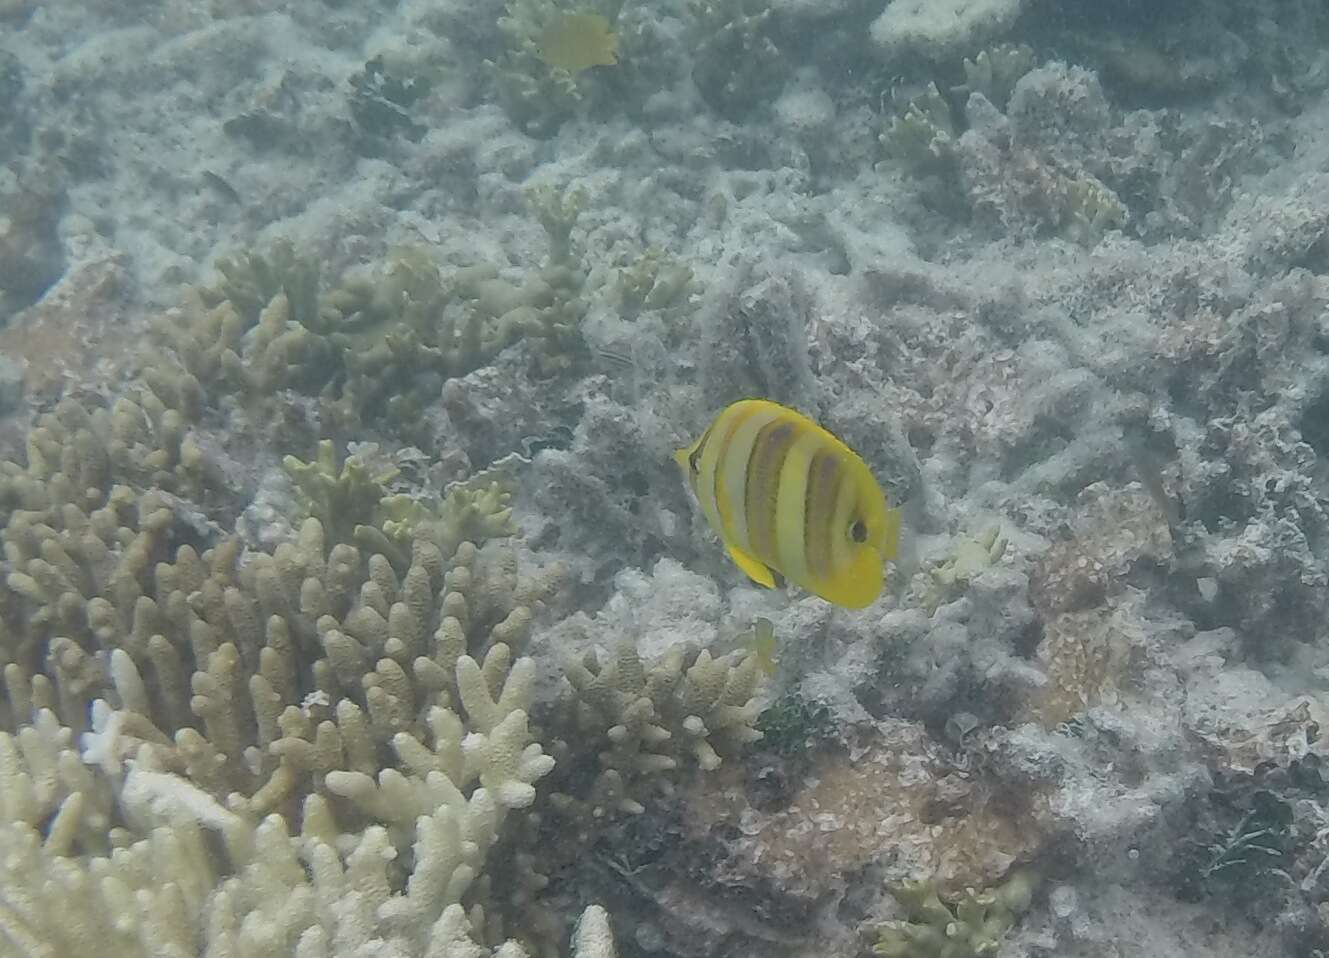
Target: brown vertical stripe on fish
[(762, 485), (842, 514), (731, 483), (823, 481)]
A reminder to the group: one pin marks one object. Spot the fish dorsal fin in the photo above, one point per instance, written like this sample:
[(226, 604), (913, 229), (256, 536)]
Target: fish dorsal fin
[(754, 570)]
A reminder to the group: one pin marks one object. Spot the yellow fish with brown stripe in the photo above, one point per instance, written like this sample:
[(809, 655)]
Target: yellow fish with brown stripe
[(789, 499)]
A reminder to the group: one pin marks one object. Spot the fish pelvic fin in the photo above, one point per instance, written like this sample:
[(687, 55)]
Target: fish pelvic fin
[(753, 569)]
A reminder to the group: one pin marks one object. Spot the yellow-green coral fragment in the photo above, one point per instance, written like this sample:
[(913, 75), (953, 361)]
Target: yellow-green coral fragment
[(948, 576), (969, 927)]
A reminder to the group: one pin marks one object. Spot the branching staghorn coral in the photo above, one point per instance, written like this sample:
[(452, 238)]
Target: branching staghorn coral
[(922, 133), (926, 124), (352, 503), (310, 668), (248, 687), (195, 879), (92, 609), (314, 747), (367, 697), (686, 710), (269, 324)]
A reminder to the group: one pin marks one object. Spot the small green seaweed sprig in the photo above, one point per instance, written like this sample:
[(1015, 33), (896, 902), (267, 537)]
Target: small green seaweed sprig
[(1255, 849)]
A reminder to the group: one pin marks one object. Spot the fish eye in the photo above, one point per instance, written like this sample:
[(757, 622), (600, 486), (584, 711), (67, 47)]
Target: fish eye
[(858, 531)]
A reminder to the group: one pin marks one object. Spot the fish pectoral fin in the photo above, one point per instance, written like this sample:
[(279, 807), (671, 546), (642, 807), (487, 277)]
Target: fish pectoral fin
[(756, 571)]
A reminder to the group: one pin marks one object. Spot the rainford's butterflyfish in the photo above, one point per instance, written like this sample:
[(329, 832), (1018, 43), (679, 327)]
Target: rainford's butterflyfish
[(790, 499)]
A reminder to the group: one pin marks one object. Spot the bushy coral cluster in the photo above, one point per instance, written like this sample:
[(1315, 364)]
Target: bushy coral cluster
[(373, 348), (972, 926), (687, 710), (317, 685), (343, 712)]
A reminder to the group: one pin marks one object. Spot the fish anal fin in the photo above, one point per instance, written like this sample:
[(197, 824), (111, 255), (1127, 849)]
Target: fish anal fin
[(754, 570)]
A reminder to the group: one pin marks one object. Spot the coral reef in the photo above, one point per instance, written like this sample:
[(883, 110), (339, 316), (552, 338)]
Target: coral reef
[(353, 605), (211, 710), (897, 803), (1054, 158), (1026, 171), (165, 892), (355, 684)]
